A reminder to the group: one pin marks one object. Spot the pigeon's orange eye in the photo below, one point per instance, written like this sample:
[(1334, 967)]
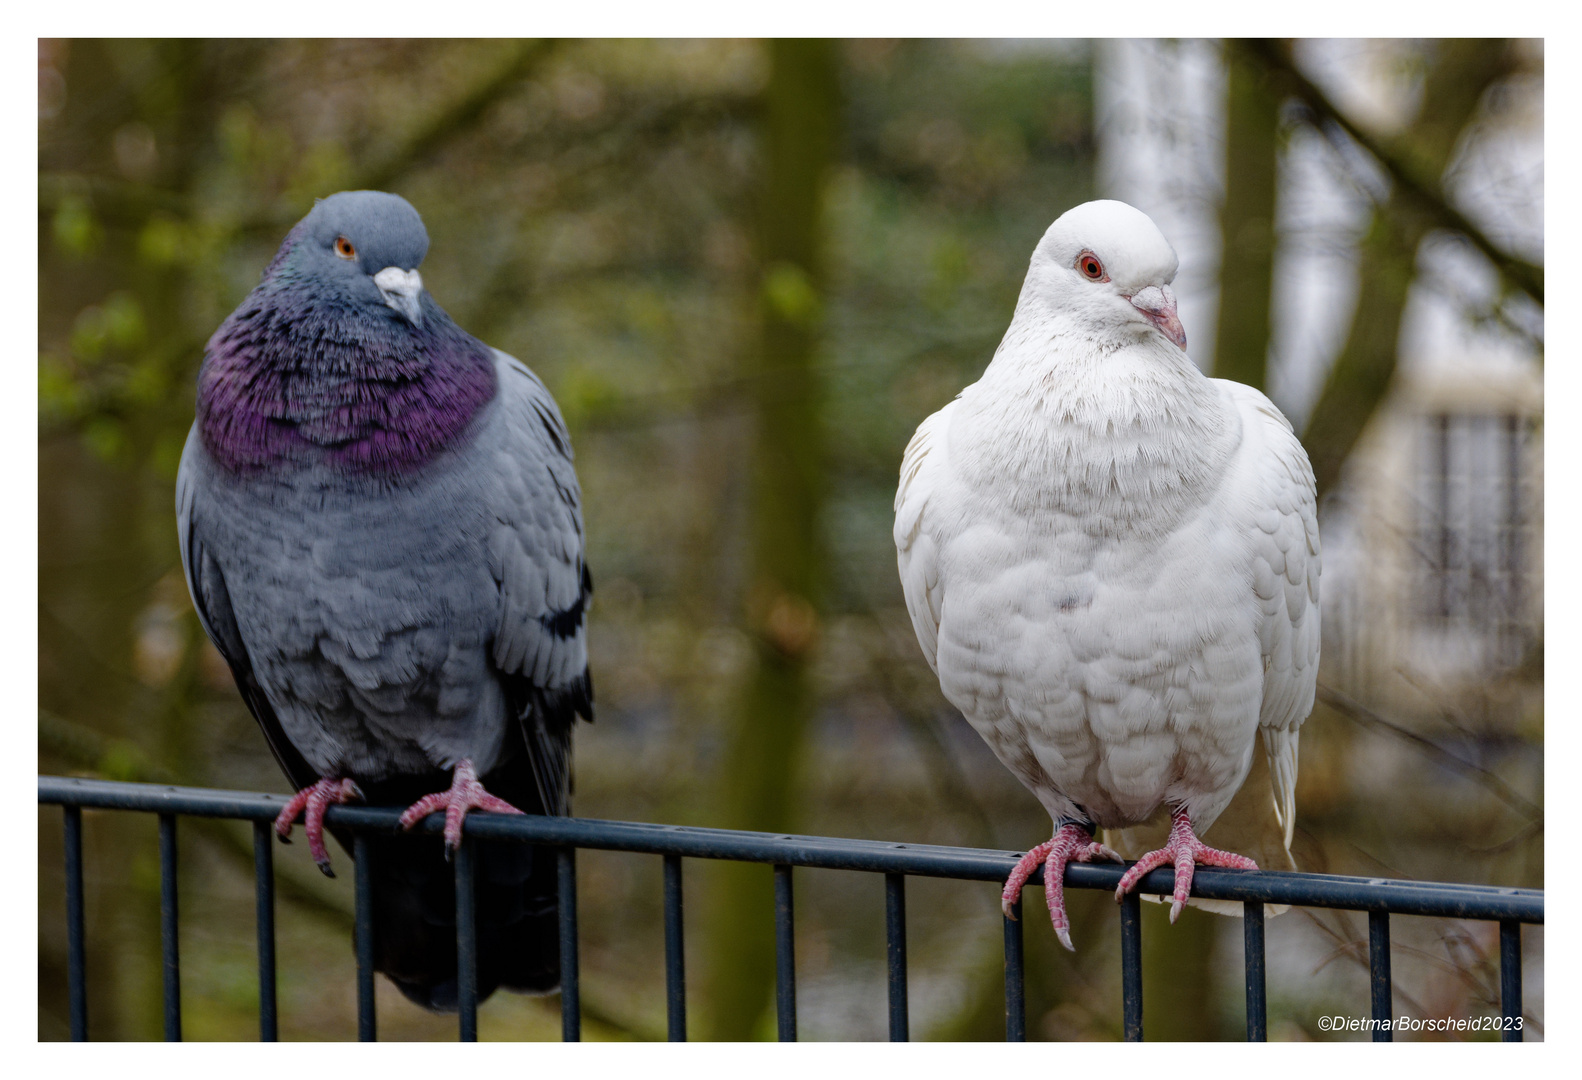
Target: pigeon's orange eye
[(343, 248), (1090, 266)]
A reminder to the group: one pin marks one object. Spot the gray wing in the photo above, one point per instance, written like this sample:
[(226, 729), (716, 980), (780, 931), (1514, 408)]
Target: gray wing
[(211, 598), (537, 556)]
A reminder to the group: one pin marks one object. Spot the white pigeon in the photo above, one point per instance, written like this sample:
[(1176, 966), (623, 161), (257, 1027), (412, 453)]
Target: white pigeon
[(1111, 560)]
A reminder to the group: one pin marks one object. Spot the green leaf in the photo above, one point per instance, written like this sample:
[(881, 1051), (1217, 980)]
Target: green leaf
[(74, 226), (164, 242), (105, 437), (790, 293)]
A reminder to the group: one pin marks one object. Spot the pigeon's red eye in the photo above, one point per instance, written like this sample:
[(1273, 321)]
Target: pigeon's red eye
[(1090, 266), (343, 248)]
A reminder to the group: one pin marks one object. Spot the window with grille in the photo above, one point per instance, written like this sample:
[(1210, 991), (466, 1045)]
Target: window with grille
[(1474, 509)]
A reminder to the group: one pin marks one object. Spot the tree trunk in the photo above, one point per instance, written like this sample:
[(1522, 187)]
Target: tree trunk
[(1180, 989), (1252, 120), (755, 781)]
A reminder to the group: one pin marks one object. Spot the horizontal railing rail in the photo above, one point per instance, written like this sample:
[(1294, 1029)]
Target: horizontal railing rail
[(1380, 897)]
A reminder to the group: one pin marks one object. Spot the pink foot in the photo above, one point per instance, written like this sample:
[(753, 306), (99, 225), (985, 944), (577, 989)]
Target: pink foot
[(1186, 851), (466, 793), (315, 800), (1071, 843)]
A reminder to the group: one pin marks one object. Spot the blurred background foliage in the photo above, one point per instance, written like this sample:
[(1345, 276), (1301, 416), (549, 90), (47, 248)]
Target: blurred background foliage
[(746, 270)]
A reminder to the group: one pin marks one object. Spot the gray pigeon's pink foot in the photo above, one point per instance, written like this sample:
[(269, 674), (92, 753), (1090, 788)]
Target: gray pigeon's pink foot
[(466, 793), (1071, 843), (315, 800), (1186, 851)]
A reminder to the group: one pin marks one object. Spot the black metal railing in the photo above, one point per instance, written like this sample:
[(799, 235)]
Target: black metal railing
[(1380, 898)]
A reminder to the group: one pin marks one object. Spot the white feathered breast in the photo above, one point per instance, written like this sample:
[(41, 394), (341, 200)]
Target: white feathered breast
[(1112, 564)]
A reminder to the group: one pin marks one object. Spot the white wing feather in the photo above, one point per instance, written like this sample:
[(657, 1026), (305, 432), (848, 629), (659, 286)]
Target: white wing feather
[(1283, 508), (916, 554)]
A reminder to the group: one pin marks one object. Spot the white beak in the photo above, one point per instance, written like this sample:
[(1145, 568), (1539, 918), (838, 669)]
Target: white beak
[(401, 289)]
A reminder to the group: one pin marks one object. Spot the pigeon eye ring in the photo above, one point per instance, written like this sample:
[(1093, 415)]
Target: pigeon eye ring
[(343, 248), (1090, 267)]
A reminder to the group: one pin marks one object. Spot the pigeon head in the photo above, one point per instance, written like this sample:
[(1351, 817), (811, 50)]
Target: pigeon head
[(339, 358), (361, 247), (1106, 266)]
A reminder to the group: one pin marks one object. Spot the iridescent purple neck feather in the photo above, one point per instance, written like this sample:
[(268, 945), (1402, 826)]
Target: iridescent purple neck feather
[(298, 377)]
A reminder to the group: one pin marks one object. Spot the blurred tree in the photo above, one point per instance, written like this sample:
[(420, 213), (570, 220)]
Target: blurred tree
[(1252, 126), (1181, 981), (130, 142), (758, 771), (1461, 71)]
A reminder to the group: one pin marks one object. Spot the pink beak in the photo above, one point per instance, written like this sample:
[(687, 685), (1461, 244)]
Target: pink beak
[(1158, 303)]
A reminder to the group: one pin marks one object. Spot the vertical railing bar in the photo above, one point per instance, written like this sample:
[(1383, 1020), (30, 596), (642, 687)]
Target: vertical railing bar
[(785, 954), (1132, 968), (675, 953), (76, 934), (570, 988), (895, 952), (363, 936), (169, 926), (264, 918), (466, 943), (1511, 980), (1253, 957), (1379, 975), (1015, 986)]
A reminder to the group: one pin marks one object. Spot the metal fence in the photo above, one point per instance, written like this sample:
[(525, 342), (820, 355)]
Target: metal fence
[(1380, 898)]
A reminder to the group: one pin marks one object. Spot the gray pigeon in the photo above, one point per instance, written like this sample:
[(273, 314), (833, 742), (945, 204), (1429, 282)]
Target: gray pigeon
[(382, 533)]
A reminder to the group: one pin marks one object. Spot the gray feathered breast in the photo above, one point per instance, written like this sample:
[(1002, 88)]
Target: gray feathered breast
[(396, 625)]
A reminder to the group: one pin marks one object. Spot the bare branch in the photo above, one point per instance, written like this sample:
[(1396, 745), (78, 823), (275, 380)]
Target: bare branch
[(1355, 710), (1398, 162), (462, 116)]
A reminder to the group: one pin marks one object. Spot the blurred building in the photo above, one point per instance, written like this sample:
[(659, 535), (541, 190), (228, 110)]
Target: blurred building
[(1442, 581)]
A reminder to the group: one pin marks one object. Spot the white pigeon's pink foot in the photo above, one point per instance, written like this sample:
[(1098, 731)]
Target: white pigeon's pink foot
[(311, 802), (1071, 843), (1186, 851), (466, 793)]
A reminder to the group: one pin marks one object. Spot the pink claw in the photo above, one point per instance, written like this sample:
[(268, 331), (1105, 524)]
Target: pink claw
[(466, 793), (315, 800), (1186, 851), (1071, 843)]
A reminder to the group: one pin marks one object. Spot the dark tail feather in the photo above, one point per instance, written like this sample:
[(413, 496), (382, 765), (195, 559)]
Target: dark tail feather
[(414, 900), (415, 925)]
